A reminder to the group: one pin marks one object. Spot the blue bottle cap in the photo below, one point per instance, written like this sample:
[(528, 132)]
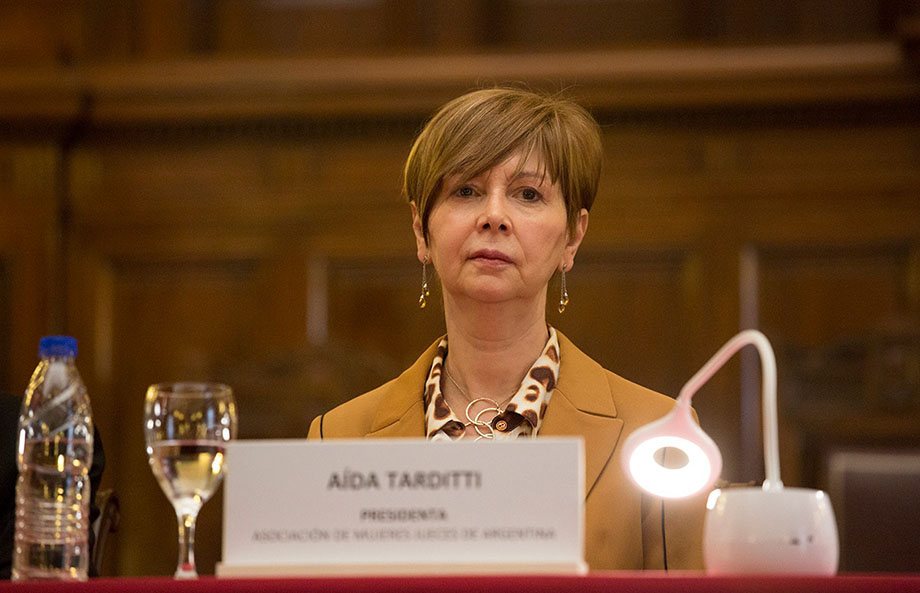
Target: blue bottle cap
[(57, 346)]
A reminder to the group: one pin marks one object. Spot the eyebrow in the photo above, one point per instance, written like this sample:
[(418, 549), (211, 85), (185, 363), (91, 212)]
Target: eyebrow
[(531, 174)]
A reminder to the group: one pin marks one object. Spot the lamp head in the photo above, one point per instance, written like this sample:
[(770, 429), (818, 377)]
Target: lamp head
[(645, 455)]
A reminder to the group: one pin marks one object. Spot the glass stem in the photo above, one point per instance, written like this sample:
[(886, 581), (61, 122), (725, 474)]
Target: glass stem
[(186, 567)]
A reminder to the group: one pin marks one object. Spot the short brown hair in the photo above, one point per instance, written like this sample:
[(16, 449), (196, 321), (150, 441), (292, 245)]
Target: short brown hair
[(479, 130)]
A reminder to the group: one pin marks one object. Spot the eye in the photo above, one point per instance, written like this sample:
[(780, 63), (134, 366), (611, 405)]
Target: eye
[(464, 191), (529, 194)]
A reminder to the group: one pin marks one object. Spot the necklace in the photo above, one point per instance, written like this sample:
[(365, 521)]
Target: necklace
[(483, 428)]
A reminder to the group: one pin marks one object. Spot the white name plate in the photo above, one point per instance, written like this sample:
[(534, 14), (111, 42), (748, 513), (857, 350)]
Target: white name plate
[(403, 506)]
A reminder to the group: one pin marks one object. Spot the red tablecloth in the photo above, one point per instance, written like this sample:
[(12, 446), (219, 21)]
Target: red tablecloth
[(599, 582)]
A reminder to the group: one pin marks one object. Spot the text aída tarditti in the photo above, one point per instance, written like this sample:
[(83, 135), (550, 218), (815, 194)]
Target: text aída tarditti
[(349, 479)]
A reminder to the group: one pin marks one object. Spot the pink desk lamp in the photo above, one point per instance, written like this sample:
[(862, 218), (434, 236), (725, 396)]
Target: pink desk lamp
[(767, 530)]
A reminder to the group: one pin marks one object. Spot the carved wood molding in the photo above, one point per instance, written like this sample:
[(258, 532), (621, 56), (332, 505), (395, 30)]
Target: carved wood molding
[(215, 90)]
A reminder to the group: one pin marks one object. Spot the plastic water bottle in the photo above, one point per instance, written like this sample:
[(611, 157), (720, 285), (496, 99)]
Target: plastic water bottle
[(55, 451)]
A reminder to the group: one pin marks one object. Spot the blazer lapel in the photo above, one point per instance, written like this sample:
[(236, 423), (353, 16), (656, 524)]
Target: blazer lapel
[(410, 425), (582, 405)]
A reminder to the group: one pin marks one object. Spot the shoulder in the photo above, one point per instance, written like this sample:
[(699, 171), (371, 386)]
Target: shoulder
[(636, 402), (354, 418)]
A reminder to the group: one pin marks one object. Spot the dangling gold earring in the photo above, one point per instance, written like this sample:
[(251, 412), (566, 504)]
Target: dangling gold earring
[(423, 298), (564, 294)]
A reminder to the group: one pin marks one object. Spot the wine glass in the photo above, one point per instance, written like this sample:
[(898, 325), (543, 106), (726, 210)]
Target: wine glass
[(187, 426)]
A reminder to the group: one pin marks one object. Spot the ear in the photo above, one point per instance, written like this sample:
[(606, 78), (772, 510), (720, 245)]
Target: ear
[(574, 239), (420, 243)]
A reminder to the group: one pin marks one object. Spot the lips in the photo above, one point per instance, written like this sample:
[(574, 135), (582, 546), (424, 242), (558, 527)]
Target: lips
[(490, 256)]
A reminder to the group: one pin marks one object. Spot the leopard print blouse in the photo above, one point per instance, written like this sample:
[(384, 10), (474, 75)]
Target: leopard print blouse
[(521, 417)]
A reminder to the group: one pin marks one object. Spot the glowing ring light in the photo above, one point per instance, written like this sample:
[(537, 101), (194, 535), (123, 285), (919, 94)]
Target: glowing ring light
[(670, 482)]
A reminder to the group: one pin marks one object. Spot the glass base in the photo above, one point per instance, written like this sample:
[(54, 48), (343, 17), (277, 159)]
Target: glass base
[(186, 571)]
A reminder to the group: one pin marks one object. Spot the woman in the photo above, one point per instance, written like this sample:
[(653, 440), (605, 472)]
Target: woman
[(499, 183)]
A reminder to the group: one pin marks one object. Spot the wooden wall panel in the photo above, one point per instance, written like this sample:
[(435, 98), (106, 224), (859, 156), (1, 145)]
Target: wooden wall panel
[(162, 315), (544, 25), (629, 310), (294, 180), (171, 321), (32, 296), (44, 31), (805, 19), (373, 305), (6, 327), (95, 31), (760, 163), (214, 242), (317, 28), (865, 284), (846, 322), (734, 21)]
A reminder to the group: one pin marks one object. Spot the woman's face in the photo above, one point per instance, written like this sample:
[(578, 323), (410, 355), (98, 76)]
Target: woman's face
[(500, 236)]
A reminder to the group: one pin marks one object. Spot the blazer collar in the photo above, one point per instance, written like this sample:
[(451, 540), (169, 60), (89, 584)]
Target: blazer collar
[(582, 405), (583, 381)]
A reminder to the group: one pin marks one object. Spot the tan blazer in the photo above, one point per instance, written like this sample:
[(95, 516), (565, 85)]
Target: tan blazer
[(623, 526)]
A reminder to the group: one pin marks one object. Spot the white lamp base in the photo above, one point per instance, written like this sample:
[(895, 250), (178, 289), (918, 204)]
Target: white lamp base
[(770, 531)]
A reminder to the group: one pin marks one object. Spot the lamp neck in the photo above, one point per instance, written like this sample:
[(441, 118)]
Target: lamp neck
[(768, 394)]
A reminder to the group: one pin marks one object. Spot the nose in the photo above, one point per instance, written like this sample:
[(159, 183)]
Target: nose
[(494, 215)]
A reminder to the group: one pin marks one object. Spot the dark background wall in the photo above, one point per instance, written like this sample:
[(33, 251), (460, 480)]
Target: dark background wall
[(206, 189)]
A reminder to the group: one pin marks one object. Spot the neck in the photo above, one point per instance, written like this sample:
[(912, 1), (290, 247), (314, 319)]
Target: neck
[(492, 346)]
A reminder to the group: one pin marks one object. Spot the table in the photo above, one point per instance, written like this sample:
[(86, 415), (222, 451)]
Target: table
[(597, 582)]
